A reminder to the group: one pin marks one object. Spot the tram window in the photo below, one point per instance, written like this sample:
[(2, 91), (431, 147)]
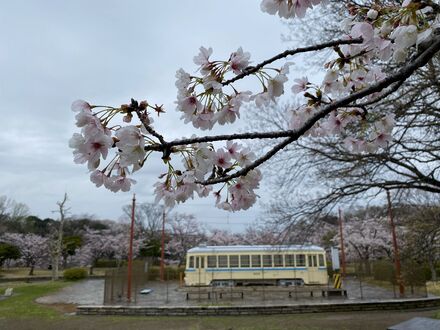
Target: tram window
[(278, 260), (315, 262), (245, 261), (256, 261), (233, 261), (300, 260), (290, 260), (267, 260), (212, 261), (223, 261), (321, 260), (191, 262), (202, 262), (197, 262)]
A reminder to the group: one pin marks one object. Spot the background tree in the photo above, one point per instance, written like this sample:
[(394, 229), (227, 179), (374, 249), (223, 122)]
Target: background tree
[(185, 232), (57, 242), (422, 231), (69, 247), (34, 249), (8, 252), (148, 219)]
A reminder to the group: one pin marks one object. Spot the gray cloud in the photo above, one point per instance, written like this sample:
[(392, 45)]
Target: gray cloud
[(105, 52)]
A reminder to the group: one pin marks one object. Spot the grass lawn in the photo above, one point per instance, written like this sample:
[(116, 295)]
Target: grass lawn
[(22, 305), (24, 272), (433, 288)]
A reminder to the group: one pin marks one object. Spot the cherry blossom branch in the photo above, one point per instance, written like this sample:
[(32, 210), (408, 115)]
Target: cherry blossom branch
[(143, 117), (390, 91), (252, 69), (401, 75)]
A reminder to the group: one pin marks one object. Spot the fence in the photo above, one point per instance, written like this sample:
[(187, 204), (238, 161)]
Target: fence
[(363, 281)]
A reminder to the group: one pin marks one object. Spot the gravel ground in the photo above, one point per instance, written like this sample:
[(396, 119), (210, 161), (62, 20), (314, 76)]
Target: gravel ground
[(91, 292)]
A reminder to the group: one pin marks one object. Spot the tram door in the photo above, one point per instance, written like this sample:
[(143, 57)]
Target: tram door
[(312, 268), (200, 270)]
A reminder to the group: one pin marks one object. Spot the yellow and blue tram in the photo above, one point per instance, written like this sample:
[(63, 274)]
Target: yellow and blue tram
[(242, 265)]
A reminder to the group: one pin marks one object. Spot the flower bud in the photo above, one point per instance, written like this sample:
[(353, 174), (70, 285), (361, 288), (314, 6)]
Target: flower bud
[(143, 105), (372, 14)]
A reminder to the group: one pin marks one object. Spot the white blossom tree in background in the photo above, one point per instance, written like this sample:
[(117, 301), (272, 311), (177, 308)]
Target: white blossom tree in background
[(111, 243), (366, 239), (34, 249), (406, 36)]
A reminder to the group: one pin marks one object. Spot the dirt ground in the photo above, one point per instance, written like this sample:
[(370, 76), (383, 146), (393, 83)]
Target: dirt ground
[(91, 292), (340, 321)]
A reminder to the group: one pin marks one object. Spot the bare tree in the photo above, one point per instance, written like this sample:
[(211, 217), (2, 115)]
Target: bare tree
[(422, 235), (185, 232), (57, 243), (148, 219)]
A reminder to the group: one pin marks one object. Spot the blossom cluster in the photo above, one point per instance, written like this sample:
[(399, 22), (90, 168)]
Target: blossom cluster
[(97, 137), (201, 160), (204, 101), (209, 97), (387, 33), (289, 8)]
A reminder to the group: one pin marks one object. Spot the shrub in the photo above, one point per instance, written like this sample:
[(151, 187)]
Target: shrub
[(75, 274), (383, 270), (106, 263)]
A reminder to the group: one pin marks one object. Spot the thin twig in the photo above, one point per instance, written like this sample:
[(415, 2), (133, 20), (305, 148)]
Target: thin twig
[(250, 70)]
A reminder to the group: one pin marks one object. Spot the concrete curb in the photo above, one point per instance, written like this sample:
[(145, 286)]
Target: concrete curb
[(348, 306), (41, 278)]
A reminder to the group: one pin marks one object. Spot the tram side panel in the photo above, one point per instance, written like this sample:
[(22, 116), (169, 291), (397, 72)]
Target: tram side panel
[(200, 272)]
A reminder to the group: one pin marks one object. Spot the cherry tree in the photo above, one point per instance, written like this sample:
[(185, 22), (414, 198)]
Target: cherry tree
[(367, 239), (109, 243), (223, 237), (34, 249), (406, 35)]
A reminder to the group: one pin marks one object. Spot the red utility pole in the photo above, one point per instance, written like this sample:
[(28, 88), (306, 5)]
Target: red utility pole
[(396, 247), (162, 249), (342, 244), (130, 251)]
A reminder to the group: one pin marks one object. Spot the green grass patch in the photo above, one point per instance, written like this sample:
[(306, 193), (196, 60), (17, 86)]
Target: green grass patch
[(24, 272), (433, 288), (22, 304)]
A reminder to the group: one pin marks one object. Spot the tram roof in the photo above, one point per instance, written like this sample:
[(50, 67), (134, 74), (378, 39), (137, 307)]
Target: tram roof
[(253, 248)]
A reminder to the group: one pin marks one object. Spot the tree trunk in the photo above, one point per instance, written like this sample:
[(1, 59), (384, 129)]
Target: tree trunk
[(31, 271), (59, 242), (367, 266), (432, 269)]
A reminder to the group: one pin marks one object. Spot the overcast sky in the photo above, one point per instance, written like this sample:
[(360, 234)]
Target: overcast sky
[(54, 52)]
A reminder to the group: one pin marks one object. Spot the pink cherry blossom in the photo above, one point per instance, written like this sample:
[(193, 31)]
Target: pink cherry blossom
[(81, 105), (222, 158), (239, 60), (300, 85)]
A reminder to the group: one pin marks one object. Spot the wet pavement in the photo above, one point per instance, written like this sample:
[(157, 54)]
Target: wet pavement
[(91, 292)]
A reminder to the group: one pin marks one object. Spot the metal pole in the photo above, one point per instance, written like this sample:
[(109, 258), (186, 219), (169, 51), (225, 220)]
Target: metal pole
[(130, 251), (162, 249), (342, 244), (396, 248)]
